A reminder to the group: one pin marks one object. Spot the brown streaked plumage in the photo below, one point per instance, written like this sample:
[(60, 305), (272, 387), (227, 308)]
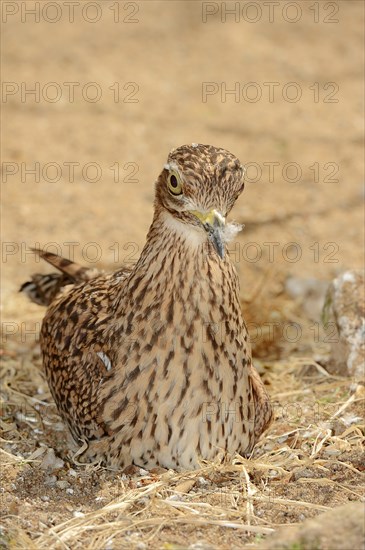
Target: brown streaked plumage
[(152, 366)]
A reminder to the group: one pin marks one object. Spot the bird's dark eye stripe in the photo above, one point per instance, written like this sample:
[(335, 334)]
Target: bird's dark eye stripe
[(173, 181)]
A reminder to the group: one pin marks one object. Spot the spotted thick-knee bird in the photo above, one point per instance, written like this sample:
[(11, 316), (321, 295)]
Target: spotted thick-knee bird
[(151, 366)]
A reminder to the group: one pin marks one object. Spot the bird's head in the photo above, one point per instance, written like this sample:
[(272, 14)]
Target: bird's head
[(197, 189)]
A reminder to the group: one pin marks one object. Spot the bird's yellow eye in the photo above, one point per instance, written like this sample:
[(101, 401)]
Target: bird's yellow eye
[(174, 183)]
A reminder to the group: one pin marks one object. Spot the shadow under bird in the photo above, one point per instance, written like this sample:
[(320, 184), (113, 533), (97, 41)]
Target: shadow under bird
[(152, 366)]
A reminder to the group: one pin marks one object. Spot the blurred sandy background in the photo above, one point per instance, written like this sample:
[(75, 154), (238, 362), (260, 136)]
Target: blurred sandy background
[(168, 52)]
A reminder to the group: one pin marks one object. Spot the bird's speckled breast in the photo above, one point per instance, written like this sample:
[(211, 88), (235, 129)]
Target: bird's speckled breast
[(186, 388)]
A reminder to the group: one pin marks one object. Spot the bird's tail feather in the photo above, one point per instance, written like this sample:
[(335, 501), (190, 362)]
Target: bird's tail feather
[(43, 289)]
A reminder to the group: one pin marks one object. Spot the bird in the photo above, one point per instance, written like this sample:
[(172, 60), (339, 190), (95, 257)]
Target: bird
[(151, 365)]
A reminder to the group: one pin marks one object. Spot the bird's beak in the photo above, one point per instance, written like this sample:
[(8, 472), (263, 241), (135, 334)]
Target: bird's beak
[(213, 223)]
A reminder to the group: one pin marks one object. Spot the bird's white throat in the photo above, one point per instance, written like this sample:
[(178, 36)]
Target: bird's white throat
[(196, 236)]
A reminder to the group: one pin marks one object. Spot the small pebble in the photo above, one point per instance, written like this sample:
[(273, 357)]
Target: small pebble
[(62, 484), (51, 461), (50, 481), (202, 482), (302, 472), (175, 497)]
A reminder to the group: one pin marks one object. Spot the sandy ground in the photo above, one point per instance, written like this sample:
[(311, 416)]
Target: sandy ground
[(111, 99)]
